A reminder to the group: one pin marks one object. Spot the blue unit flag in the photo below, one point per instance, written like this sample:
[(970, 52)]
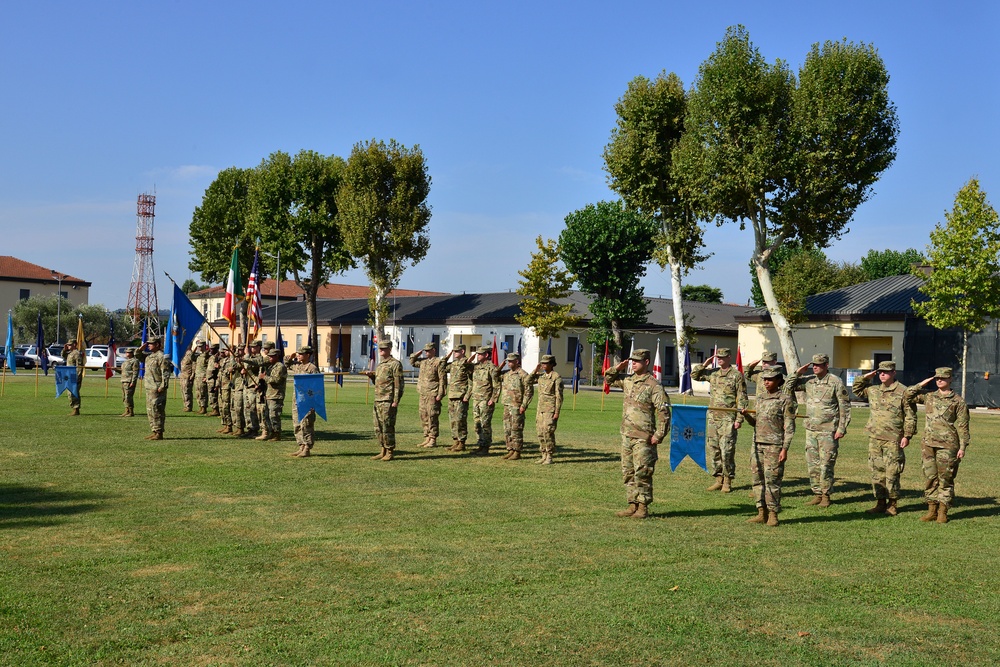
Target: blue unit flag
[(687, 434), (67, 380), (310, 394)]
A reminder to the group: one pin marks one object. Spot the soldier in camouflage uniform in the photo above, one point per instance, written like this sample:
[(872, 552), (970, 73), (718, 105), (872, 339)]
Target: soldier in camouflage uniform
[(774, 427), (946, 436), (252, 363), (459, 393), (752, 373), (75, 358), (187, 376), (300, 364), (828, 413), (260, 393), (200, 371), (485, 394), (432, 386), (156, 381), (550, 398), (388, 380), (236, 402), (728, 390), (225, 383), (645, 423), (891, 424), (516, 391), (212, 380), (275, 377), (130, 376)]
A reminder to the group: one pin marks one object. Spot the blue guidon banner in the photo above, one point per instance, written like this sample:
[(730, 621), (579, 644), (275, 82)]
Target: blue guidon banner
[(687, 434)]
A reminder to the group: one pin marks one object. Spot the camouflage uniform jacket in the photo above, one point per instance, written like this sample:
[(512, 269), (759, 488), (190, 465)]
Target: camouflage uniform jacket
[(200, 364), (460, 379), (158, 369), (389, 380), (947, 418), (517, 389), (295, 368), (645, 408), (775, 419), (212, 367), (433, 378), (277, 379), (550, 391), (828, 407), (486, 382), (892, 416), (753, 375), (130, 371), (252, 363), (187, 365), (228, 371), (728, 389)]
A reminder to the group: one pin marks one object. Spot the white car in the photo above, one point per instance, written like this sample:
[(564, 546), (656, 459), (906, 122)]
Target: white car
[(96, 356), (32, 353)]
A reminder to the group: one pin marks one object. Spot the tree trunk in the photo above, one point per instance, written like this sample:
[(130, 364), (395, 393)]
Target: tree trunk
[(781, 325), (679, 333), (965, 355), (616, 334)]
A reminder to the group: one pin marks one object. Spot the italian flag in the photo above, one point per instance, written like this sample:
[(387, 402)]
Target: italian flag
[(234, 290)]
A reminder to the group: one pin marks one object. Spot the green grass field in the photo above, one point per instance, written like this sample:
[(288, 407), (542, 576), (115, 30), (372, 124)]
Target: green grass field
[(207, 550)]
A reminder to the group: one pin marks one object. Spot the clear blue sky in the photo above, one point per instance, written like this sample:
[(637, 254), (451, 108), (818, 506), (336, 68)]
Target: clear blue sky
[(512, 104)]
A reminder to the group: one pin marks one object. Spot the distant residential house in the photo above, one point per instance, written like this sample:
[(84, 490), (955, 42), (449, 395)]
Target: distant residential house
[(20, 280)]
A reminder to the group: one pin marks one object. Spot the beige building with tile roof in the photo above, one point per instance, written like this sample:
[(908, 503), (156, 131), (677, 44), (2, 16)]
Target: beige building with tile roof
[(20, 280)]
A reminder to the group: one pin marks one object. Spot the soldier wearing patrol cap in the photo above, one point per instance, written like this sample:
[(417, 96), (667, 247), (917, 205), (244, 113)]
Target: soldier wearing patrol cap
[(946, 436), (187, 375), (516, 391), (304, 427), (251, 365), (485, 394), (774, 428), (212, 371), (550, 399), (75, 358), (891, 424), (828, 413), (459, 392), (263, 418), (201, 357), (388, 380), (275, 378), (752, 373), (728, 391), (432, 387), (156, 381)]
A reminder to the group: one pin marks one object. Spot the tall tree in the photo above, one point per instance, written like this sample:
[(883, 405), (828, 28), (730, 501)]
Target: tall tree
[(702, 293), (384, 215), (965, 279), (295, 212), (884, 263), (544, 283), (192, 285), (639, 162), (222, 222), (806, 272), (792, 160), (607, 248)]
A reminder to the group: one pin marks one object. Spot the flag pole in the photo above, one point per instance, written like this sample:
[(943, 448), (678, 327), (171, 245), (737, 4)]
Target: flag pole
[(3, 386), (36, 381)]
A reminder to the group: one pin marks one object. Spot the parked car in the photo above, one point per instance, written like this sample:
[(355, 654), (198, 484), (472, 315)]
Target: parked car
[(20, 360), (96, 356), (56, 350), (54, 360), (120, 355)]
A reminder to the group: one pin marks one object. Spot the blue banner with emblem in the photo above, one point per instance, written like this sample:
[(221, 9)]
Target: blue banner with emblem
[(687, 434), (310, 394), (67, 380)]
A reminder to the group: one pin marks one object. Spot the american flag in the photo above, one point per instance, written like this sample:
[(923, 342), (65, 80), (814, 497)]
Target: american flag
[(253, 298)]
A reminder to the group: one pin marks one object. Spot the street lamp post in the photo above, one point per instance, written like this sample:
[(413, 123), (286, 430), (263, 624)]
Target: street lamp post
[(59, 280)]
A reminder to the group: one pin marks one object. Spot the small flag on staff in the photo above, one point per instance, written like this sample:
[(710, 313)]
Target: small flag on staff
[(253, 297), (67, 380), (739, 360), (11, 357), (577, 367), (185, 321), (234, 290), (496, 353), (340, 352), (371, 351), (43, 354), (605, 365), (310, 394), (657, 366), (686, 387)]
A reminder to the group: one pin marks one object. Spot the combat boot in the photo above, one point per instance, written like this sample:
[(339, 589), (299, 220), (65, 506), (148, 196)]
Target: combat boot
[(75, 412), (507, 455), (547, 460), (481, 451), (942, 516), (514, 456), (388, 455), (460, 447), (641, 510), (157, 435), (890, 507), (424, 442), (932, 511), (304, 452), (716, 485), (772, 519), (815, 500), (761, 516), (262, 436), (226, 429), (380, 455), (879, 507), (432, 442), (214, 413), (298, 451), (275, 437), (727, 484), (124, 414), (202, 411), (131, 412), (824, 500), (628, 511)]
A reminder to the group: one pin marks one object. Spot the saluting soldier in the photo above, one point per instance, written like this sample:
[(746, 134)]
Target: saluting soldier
[(388, 380), (752, 373), (275, 377), (774, 428), (156, 381), (299, 364), (252, 362), (263, 419), (485, 394), (728, 390), (946, 437), (130, 376), (187, 375), (517, 390), (459, 392), (550, 399), (645, 423), (432, 386), (75, 358)]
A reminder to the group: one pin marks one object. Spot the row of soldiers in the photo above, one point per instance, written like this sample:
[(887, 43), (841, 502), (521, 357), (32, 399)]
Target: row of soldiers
[(891, 426)]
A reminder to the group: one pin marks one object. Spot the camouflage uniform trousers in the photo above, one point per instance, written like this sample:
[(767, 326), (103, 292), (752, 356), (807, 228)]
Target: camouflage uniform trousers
[(213, 395), (385, 424), (128, 395), (940, 465), (304, 427), (236, 409), (201, 393), (821, 458), (250, 420), (430, 411), (74, 401), (187, 391), (886, 460), (482, 413), (263, 418), (458, 415), (720, 438), (513, 427), (225, 404), (156, 407), (545, 429), (274, 406), (766, 473), (639, 458)]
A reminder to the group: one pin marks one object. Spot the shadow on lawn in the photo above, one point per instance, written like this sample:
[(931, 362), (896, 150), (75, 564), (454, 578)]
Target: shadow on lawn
[(32, 506)]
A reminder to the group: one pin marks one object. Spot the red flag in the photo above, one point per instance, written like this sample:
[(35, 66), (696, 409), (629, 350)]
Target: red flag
[(496, 353), (605, 365), (739, 360)]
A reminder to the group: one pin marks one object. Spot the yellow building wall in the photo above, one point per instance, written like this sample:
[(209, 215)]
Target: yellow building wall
[(849, 344)]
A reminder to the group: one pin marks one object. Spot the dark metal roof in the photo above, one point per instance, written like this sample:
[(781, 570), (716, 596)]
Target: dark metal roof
[(885, 298)]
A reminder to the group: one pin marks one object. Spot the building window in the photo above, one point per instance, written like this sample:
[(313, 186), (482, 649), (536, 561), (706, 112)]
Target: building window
[(508, 344), (25, 294), (263, 337), (298, 341), (364, 346), (571, 343), (204, 309), (701, 356), (668, 361), (64, 295), (218, 310)]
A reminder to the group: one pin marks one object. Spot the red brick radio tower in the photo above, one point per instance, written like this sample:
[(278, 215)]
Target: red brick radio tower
[(142, 303)]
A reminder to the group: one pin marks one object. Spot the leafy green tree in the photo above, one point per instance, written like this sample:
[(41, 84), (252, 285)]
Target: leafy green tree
[(792, 160), (963, 286), (384, 215), (702, 293), (607, 248), (544, 283), (191, 285), (222, 223), (639, 162), (884, 263), (806, 272)]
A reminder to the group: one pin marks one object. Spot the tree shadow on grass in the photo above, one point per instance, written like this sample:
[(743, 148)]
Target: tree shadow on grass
[(32, 506)]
